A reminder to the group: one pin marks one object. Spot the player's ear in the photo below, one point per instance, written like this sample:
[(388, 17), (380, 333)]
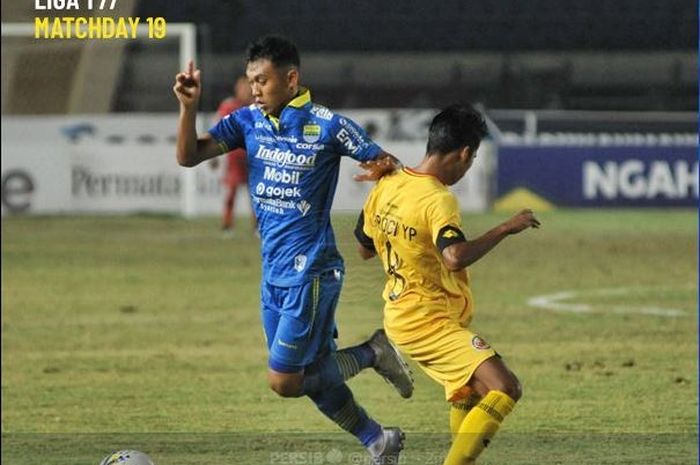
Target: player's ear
[(466, 153), (293, 77)]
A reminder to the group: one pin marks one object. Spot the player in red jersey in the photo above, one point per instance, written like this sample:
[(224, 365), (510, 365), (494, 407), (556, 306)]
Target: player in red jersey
[(236, 174)]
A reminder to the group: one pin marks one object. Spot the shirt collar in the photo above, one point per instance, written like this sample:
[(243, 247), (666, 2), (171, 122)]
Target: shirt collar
[(299, 101)]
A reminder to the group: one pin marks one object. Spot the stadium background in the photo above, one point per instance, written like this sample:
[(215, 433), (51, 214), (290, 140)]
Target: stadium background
[(127, 321)]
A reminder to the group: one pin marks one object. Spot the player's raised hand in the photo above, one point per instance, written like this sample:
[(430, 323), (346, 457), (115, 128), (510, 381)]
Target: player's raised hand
[(375, 169), (522, 220), (188, 86)]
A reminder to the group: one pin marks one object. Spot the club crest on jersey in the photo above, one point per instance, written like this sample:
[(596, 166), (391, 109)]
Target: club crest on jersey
[(311, 133), (300, 262), (479, 344)]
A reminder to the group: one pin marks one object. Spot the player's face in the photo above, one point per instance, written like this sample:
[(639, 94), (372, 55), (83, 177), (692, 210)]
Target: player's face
[(272, 87), (461, 164)]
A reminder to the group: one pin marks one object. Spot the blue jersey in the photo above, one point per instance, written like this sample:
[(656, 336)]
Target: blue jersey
[(293, 165)]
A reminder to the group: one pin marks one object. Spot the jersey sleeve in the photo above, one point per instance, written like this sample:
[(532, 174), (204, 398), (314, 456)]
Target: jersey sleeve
[(445, 222), (228, 132), (352, 141)]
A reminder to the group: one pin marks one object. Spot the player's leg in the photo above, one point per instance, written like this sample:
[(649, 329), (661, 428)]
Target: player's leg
[(324, 385), (334, 367), (303, 359), (454, 356), (384, 444), (285, 381), (229, 203), (460, 408), (499, 390)]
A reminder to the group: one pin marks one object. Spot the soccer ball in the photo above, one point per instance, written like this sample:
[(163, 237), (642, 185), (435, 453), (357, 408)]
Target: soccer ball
[(127, 457)]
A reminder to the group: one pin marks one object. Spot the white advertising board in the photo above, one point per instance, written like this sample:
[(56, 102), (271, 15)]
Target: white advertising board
[(126, 164)]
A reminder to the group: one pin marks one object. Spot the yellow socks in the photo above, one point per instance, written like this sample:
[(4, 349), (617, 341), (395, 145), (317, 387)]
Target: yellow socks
[(477, 427), (459, 410)]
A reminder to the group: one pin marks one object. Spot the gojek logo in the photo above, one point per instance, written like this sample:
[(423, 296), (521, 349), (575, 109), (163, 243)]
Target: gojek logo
[(277, 192)]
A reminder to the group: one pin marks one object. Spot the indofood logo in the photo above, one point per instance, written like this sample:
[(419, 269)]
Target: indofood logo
[(284, 158)]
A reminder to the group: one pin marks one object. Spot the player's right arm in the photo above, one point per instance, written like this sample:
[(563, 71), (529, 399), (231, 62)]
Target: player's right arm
[(191, 149), (458, 252), (365, 244)]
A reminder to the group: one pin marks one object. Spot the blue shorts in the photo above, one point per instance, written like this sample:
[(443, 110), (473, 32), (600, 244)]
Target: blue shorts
[(299, 321)]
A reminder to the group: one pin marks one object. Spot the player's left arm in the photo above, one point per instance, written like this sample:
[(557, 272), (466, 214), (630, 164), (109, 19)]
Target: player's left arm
[(365, 244), (458, 252), (354, 142), (384, 164)]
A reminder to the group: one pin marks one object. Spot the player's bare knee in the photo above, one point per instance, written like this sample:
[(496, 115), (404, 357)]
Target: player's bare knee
[(512, 387), (506, 383), (286, 387)]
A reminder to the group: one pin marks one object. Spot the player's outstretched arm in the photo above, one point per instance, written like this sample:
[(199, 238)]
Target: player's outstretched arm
[(191, 150), (384, 164), (462, 254)]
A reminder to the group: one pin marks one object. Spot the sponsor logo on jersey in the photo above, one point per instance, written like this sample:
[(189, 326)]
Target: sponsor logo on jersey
[(479, 344), (300, 262), (291, 139), (314, 147), (322, 112), (347, 141), (276, 206), (263, 125), (311, 133), (266, 139), (350, 137), (449, 234), (283, 158), (304, 207), (283, 176), (277, 192)]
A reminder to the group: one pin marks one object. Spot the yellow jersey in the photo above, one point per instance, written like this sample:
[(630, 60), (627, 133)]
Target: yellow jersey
[(407, 216)]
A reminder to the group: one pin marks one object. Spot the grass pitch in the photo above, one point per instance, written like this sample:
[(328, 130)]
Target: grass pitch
[(143, 332)]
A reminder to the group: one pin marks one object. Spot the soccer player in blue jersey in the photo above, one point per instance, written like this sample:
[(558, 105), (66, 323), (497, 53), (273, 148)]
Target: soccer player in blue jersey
[(293, 149)]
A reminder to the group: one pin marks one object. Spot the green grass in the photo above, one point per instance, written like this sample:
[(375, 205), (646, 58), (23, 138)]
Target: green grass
[(144, 332)]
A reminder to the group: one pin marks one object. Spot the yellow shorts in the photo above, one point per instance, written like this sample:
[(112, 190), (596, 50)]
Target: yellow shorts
[(448, 352)]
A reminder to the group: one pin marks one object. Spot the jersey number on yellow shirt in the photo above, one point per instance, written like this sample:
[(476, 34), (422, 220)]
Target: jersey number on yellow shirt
[(394, 262)]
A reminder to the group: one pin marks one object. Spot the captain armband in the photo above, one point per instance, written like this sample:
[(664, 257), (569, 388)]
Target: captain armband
[(449, 235)]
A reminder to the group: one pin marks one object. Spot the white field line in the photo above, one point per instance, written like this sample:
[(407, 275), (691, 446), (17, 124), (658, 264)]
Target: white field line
[(560, 302)]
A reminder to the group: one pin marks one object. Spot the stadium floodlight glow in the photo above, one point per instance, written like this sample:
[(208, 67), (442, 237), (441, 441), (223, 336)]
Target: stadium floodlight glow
[(186, 36)]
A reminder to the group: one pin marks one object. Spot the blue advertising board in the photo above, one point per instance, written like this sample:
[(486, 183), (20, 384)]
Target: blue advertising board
[(620, 176)]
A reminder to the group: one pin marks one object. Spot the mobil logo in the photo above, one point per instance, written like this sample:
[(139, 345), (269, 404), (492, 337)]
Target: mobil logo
[(276, 175)]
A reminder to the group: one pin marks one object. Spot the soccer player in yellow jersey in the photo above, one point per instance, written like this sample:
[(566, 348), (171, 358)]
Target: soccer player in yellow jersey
[(412, 222)]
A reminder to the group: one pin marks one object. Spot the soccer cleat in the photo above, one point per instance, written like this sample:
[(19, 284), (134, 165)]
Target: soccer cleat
[(389, 364), (386, 449)]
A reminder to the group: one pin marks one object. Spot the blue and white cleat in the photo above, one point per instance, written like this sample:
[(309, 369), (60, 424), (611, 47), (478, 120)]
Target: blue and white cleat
[(386, 449), (389, 364)]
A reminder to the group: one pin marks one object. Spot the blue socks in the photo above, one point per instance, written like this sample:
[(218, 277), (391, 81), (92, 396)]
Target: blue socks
[(339, 405), (324, 383), (336, 368)]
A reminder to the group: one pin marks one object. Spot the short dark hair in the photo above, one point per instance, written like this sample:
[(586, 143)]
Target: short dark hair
[(455, 127), (279, 50)]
